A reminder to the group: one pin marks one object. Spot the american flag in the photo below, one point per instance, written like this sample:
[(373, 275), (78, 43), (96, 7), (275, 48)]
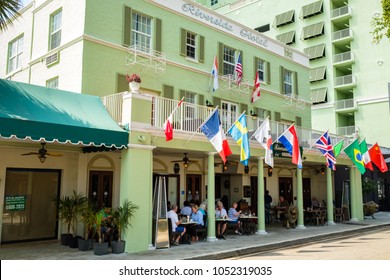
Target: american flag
[(238, 69), (326, 148)]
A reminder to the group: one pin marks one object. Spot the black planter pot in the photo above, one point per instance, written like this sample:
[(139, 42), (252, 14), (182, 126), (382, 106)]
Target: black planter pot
[(118, 247), (65, 239), (85, 245), (100, 248), (73, 241)]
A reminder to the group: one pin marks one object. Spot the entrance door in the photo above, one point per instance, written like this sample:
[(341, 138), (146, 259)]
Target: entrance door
[(100, 188), (193, 187), (306, 193), (229, 114), (30, 204), (286, 188)]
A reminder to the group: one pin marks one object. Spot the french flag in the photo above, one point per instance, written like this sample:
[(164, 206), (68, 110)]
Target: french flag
[(214, 72), (289, 139), (212, 128)]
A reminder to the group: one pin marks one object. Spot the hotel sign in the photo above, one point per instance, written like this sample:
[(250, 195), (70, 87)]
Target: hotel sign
[(280, 151)]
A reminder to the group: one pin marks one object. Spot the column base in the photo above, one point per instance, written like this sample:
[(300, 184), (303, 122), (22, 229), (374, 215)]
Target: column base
[(212, 239), (151, 247), (354, 220), (261, 232), (300, 227), (331, 223)]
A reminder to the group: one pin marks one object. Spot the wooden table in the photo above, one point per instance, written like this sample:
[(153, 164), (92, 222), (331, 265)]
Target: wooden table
[(246, 224), (186, 236)]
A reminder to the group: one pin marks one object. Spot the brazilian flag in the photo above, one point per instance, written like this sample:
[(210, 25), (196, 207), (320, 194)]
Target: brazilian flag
[(354, 153)]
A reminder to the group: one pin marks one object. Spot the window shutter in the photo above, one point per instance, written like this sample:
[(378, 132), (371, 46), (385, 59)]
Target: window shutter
[(255, 65), (244, 107), (168, 91), (127, 27), (282, 80), (182, 94), (183, 35), (200, 99), (268, 72), (121, 83), (277, 116), (298, 121), (158, 35), (220, 58), (295, 77), (201, 49), (216, 101)]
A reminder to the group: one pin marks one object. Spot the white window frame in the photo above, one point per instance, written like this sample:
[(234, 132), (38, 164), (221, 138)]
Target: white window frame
[(52, 83), (141, 31), (191, 45), (15, 52), (229, 60), (261, 70), (288, 83), (229, 114), (190, 99), (55, 30)]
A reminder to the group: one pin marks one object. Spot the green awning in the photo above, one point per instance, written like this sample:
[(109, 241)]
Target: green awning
[(43, 114)]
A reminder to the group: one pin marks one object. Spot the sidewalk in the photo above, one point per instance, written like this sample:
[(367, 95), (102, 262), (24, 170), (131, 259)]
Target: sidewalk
[(276, 237)]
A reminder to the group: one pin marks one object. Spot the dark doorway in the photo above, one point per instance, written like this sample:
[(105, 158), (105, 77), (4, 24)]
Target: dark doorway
[(100, 188), (193, 191), (286, 188), (173, 187), (254, 201), (306, 192)]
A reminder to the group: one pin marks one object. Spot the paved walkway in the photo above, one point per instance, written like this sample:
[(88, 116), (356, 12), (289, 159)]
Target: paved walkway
[(276, 237)]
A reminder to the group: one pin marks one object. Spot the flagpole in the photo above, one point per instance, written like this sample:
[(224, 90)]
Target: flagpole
[(212, 112), (259, 127), (174, 110), (236, 120)]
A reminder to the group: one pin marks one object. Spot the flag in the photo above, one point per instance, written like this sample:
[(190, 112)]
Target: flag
[(239, 132), (263, 136), (377, 158), (354, 153), (289, 139), (338, 147), (326, 148), (168, 125), (212, 128), (238, 69), (256, 89), (366, 155), (214, 72)]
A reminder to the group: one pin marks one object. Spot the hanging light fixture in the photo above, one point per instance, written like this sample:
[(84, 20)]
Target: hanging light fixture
[(176, 168), (322, 170), (270, 171)]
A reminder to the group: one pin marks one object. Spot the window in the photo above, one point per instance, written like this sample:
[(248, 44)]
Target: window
[(15, 52), (229, 60), (141, 31), (284, 19), (52, 83), (214, 2), (311, 10), (317, 74), (287, 38), (318, 95), (261, 70), (315, 52), (55, 29), (287, 82), (228, 114), (263, 28), (312, 31), (191, 45)]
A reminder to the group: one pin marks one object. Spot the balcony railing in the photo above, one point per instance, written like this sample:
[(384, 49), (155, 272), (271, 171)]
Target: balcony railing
[(347, 131), (343, 58), (188, 118), (341, 12), (342, 34), (344, 81), (346, 105)]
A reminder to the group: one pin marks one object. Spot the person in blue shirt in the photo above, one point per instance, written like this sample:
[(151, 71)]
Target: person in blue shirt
[(186, 210), (233, 215), (197, 218)]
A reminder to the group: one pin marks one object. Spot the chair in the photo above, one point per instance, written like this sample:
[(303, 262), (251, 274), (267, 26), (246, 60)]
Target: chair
[(170, 233), (338, 215), (203, 230)]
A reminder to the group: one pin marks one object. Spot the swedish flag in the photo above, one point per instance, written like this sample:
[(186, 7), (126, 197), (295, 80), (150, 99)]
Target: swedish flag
[(354, 153), (239, 132)]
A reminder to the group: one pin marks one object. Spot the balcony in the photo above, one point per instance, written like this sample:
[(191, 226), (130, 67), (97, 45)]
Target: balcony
[(343, 59), (341, 14), (148, 58), (345, 82), (345, 106), (188, 118), (347, 131), (342, 36)]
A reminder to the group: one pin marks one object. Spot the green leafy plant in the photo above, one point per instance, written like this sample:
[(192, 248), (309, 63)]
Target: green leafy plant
[(88, 218), (122, 216), (70, 208), (98, 221), (381, 23)]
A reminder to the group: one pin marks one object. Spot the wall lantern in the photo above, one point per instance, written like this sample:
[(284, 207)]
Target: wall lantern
[(176, 168), (270, 171), (246, 169)]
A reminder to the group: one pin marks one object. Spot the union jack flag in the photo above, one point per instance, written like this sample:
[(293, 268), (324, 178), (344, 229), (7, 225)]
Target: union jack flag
[(326, 148)]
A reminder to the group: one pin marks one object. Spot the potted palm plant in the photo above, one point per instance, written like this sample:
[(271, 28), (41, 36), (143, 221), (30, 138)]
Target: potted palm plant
[(121, 220), (100, 247), (65, 216), (88, 219), (78, 202)]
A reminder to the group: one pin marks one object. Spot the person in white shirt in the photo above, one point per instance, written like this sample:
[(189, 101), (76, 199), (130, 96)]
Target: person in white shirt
[(176, 228), (220, 213)]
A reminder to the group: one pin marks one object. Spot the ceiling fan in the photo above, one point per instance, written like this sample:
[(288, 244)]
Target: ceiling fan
[(186, 161), (42, 153)]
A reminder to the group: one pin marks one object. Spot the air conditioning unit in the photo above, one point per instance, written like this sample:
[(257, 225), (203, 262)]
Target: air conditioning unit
[(52, 59)]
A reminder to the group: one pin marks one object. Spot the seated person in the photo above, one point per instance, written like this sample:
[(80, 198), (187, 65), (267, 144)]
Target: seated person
[(315, 203), (220, 213), (233, 215), (186, 210), (197, 218), (176, 228)]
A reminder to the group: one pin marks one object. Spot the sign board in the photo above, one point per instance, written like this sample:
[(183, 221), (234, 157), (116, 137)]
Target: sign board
[(280, 151), (15, 202)]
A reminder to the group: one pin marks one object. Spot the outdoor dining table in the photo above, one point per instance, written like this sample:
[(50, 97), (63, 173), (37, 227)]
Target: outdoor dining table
[(246, 221), (313, 216), (186, 237)]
